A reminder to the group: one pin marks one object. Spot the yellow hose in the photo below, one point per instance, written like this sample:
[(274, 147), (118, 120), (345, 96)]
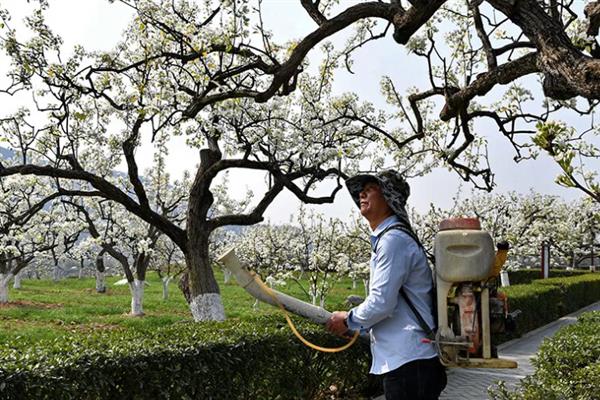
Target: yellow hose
[(268, 290)]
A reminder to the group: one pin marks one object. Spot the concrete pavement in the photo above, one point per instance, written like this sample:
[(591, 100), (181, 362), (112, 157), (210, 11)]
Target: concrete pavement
[(472, 384)]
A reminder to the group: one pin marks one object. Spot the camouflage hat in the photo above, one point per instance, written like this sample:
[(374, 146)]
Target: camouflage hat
[(395, 191), (394, 188)]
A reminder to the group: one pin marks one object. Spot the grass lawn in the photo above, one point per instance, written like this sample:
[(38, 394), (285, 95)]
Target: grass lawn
[(46, 309)]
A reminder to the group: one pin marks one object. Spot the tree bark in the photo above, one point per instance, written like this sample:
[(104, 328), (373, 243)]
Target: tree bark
[(568, 72), (184, 286), (205, 304), (100, 281)]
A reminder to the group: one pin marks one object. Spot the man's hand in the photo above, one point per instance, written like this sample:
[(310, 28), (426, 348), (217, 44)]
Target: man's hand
[(336, 324)]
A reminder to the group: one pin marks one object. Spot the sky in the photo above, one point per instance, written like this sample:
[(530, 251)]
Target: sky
[(98, 25)]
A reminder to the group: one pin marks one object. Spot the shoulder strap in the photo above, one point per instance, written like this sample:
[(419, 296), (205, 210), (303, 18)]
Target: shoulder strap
[(398, 227), (430, 332)]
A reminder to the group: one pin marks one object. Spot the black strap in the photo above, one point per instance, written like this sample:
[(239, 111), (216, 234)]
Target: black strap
[(426, 328), (430, 333), (400, 228)]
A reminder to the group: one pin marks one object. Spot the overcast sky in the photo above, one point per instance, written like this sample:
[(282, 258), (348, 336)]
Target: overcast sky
[(96, 24)]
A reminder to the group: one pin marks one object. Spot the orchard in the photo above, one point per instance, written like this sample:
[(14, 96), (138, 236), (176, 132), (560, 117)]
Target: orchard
[(92, 141)]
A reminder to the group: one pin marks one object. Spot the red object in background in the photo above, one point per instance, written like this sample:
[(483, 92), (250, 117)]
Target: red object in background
[(460, 223)]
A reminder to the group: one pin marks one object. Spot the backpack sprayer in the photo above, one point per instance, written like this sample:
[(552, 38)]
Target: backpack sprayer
[(469, 307)]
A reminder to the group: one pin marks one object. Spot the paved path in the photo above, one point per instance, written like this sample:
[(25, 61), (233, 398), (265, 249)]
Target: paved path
[(472, 384)]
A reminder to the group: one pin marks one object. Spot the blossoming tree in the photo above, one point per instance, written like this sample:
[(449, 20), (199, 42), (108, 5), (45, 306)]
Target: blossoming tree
[(212, 71)]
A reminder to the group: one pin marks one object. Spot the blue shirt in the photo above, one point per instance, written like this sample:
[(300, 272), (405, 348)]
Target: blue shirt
[(394, 329)]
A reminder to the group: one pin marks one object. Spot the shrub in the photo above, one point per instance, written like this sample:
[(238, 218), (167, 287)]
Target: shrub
[(546, 300), (526, 276), (229, 360), (567, 366), (253, 358)]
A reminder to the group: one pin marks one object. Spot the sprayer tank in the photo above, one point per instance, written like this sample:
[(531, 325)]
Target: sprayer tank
[(463, 254)]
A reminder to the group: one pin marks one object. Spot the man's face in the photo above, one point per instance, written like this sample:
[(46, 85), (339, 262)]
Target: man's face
[(372, 202)]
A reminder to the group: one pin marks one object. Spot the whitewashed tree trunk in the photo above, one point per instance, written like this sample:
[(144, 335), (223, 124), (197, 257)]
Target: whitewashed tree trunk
[(504, 279), (165, 287), (226, 275), (354, 284), (4, 281), (17, 281), (80, 273), (56, 273), (205, 303), (100, 282), (137, 297), (366, 283), (207, 307)]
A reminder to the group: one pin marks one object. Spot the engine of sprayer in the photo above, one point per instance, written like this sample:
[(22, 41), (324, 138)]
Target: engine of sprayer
[(469, 306)]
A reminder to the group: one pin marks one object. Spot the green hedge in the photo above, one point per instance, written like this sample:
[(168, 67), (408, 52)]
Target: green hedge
[(546, 300), (235, 359), (229, 360), (567, 366), (525, 276)]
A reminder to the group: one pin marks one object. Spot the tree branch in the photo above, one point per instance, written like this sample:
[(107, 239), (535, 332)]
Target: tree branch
[(254, 217), (108, 191), (504, 74), (313, 10)]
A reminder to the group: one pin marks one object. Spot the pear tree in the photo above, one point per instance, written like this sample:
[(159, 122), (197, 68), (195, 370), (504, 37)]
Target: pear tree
[(213, 72)]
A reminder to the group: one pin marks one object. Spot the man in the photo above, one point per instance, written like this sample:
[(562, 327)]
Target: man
[(410, 368)]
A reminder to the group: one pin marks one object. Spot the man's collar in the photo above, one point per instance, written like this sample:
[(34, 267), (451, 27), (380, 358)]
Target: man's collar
[(384, 224)]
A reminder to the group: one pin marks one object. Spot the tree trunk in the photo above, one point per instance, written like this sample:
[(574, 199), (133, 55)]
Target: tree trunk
[(4, 280), (137, 297), (184, 286), (100, 269), (205, 304), (226, 276), (165, 287), (17, 281), (366, 283), (504, 278), (80, 268), (571, 265), (56, 273), (100, 282)]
